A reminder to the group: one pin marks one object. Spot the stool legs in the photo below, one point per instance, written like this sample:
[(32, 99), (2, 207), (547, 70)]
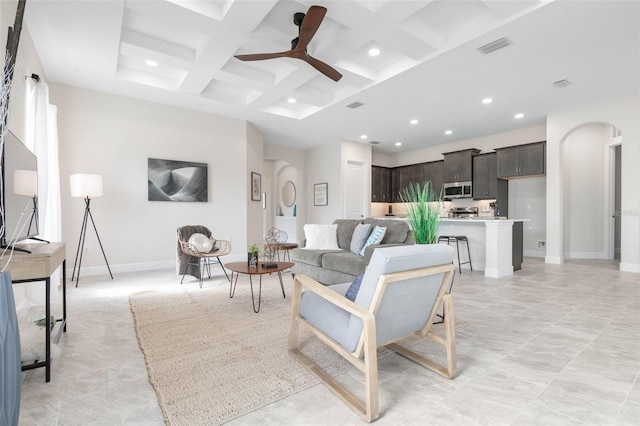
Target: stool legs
[(449, 238)]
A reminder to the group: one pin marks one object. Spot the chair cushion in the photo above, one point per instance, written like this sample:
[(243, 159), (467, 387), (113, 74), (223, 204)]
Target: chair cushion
[(326, 316), (321, 237), (352, 291), (375, 238), (360, 235), (200, 242)]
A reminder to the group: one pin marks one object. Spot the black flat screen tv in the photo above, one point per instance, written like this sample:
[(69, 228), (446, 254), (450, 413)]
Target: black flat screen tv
[(17, 211)]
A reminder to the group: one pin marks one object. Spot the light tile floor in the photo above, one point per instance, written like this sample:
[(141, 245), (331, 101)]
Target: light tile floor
[(551, 345)]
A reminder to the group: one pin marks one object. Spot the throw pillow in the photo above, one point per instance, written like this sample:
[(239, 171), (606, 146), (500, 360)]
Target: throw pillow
[(375, 238), (360, 235), (352, 292), (321, 237)]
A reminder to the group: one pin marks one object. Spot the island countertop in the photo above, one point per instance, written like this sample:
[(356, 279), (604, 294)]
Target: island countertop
[(479, 219)]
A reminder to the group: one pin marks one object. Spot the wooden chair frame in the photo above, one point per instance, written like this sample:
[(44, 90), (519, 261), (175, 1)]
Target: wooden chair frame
[(365, 355), (203, 260)]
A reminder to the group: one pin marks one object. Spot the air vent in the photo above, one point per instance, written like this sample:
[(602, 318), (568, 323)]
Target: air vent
[(494, 45), (374, 143), (561, 83), (354, 105)]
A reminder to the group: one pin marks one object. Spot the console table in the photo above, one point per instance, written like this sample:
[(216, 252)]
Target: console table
[(39, 265)]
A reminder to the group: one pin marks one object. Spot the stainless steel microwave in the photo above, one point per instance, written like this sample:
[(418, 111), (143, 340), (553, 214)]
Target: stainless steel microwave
[(457, 190)]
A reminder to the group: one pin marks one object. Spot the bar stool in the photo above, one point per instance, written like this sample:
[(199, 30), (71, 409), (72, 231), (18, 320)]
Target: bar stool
[(457, 238)]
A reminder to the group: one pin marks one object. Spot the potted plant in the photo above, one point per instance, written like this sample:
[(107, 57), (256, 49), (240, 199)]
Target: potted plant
[(252, 258), (422, 205)]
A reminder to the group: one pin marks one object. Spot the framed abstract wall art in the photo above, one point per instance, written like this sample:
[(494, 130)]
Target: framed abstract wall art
[(170, 180)]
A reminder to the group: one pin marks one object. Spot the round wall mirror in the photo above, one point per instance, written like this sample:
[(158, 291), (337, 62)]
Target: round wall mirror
[(288, 193)]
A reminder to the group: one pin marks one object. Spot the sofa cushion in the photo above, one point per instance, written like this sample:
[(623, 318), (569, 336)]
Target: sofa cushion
[(346, 262), (345, 231), (398, 232), (360, 235), (321, 237), (310, 257)]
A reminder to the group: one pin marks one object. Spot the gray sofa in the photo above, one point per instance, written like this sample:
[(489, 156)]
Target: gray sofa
[(340, 266)]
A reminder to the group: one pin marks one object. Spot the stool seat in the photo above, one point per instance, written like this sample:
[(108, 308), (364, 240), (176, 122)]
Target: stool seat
[(456, 239)]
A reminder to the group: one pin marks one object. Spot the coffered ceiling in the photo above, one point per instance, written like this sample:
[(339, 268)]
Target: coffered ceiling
[(429, 67)]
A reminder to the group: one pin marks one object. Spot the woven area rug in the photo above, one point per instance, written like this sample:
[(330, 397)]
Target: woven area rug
[(211, 358)]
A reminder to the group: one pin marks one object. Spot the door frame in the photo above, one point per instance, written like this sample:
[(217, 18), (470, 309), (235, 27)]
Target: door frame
[(610, 195)]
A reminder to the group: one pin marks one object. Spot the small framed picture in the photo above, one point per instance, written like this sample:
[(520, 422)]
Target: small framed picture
[(256, 186), (320, 196)]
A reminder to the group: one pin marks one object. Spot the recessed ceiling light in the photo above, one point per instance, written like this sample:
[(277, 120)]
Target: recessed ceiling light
[(291, 100), (487, 101), (151, 63), (414, 121), (363, 136), (398, 143), (374, 51), (448, 132), (519, 115)]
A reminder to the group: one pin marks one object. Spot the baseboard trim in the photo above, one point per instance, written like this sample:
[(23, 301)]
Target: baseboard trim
[(630, 267), (587, 255), (144, 266), (533, 253), (498, 272), (556, 260)]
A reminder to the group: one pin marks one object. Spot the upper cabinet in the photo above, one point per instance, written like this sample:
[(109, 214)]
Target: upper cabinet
[(433, 172), (380, 184), (521, 160), (458, 165), (485, 179)]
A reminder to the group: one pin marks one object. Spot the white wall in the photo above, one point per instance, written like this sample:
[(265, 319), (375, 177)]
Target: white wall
[(114, 136), (324, 165), (254, 162), (584, 185), (625, 115)]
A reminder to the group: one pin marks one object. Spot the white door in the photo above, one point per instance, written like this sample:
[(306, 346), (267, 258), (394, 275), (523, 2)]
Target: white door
[(355, 191)]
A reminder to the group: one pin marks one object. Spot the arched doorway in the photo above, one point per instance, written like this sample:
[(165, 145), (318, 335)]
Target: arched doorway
[(590, 225)]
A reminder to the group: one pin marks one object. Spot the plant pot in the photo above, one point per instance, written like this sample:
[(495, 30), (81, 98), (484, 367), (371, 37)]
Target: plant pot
[(252, 259)]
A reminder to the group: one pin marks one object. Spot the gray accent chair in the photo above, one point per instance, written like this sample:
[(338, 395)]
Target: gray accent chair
[(401, 293), (339, 266)]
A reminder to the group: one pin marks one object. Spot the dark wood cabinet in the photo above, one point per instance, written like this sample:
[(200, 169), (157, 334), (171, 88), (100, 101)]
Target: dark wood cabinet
[(485, 176), (380, 184), (433, 172), (458, 165), (521, 160)]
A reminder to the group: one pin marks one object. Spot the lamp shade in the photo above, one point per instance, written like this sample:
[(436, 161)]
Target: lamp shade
[(85, 185), (25, 182)]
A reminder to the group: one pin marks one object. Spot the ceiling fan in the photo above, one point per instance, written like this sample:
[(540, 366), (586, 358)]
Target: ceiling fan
[(307, 26)]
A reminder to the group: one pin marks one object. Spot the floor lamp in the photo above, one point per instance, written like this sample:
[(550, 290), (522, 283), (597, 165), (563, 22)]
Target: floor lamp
[(86, 186)]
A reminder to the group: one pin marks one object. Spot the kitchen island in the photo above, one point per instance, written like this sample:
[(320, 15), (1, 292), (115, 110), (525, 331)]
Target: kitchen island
[(495, 243)]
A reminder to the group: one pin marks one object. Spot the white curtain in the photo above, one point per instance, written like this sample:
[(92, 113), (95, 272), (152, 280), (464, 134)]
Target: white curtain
[(41, 136)]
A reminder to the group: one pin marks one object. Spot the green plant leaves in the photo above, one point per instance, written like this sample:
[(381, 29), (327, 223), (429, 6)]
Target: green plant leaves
[(423, 211)]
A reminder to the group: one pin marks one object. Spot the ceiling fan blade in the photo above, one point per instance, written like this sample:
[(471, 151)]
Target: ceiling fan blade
[(323, 68), (262, 56), (310, 25)]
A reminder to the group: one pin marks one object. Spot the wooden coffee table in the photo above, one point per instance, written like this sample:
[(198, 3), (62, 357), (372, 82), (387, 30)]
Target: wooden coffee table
[(238, 268)]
